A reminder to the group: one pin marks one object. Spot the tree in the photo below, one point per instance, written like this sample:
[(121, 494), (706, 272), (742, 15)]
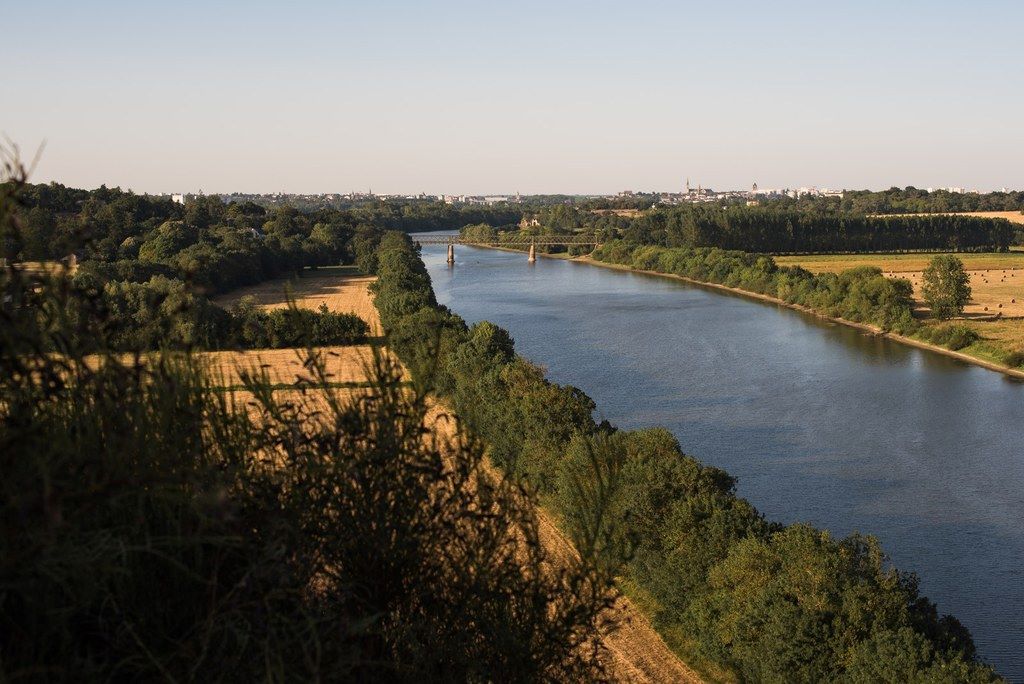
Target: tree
[(947, 286)]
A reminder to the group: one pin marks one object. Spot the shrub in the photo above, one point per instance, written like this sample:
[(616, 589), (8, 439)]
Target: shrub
[(1015, 359), (955, 336)]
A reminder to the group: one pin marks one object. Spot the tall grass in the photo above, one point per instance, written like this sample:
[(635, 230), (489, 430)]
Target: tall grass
[(153, 526)]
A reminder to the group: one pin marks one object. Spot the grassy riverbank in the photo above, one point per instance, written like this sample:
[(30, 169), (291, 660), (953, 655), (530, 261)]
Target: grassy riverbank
[(978, 353), (859, 297), (995, 312)]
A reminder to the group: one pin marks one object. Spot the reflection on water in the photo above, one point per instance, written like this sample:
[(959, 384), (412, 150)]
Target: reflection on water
[(821, 422)]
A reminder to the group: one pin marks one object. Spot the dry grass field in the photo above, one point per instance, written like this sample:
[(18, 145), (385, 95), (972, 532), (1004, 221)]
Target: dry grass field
[(285, 366), (342, 290), (1003, 335), (996, 310), (997, 279), (1011, 216)]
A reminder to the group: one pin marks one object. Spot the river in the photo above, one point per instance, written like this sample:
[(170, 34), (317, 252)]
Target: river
[(820, 422)]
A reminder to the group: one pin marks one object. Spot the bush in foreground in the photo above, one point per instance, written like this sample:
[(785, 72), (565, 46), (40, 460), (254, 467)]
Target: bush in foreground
[(153, 526)]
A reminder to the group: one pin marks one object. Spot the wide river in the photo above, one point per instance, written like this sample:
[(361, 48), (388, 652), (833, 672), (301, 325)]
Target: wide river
[(820, 422)]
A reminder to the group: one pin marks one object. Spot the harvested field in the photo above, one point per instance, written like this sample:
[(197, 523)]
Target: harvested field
[(997, 279), (900, 264), (285, 366), (341, 288), (1011, 216)]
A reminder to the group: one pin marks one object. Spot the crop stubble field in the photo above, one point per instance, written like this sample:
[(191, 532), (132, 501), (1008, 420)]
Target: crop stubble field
[(341, 290), (996, 309)]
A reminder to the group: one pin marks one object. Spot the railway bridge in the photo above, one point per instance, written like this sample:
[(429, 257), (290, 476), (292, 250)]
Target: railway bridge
[(530, 243)]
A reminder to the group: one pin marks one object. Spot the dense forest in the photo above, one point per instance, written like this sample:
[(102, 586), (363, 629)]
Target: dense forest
[(155, 262), (727, 589), (784, 230), (909, 200)]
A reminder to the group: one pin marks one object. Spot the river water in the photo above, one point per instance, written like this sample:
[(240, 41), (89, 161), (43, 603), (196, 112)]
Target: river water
[(820, 422)]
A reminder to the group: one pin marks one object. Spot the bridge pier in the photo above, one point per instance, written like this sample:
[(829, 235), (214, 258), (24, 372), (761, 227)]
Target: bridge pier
[(533, 253), (451, 253)]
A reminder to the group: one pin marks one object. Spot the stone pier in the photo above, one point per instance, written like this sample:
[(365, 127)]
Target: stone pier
[(533, 253)]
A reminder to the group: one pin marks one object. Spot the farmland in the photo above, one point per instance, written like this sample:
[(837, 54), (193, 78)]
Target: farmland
[(341, 290), (996, 309), (997, 279)]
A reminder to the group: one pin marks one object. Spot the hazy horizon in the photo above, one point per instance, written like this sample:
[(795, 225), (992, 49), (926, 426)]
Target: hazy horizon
[(576, 98)]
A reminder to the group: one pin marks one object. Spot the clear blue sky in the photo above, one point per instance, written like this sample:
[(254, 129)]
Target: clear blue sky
[(473, 97)]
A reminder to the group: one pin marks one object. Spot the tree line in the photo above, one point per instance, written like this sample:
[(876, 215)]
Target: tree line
[(861, 294), (776, 230), (726, 588), (780, 229), (154, 262), (910, 200)]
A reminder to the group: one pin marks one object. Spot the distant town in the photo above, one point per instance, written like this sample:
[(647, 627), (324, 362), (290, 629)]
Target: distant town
[(689, 194)]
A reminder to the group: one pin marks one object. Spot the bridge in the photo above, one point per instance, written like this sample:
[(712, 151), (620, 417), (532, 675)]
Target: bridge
[(512, 242)]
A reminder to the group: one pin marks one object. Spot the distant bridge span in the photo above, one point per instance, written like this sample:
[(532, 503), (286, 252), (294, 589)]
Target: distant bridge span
[(531, 242)]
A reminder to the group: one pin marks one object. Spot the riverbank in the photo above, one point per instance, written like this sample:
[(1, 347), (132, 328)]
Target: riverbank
[(874, 330)]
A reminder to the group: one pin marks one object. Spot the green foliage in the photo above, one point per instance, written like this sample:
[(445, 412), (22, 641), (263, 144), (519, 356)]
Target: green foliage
[(778, 229), (767, 602), (860, 294), (169, 239), (155, 528), (946, 287), (256, 328), (955, 336), (479, 231), (161, 313), (1015, 359)]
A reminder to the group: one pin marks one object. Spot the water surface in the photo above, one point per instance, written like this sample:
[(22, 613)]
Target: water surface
[(820, 422)]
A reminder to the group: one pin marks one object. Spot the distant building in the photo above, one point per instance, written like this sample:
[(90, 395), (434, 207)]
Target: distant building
[(179, 199)]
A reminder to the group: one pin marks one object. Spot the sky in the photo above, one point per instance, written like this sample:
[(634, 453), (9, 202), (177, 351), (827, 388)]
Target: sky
[(536, 97)]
